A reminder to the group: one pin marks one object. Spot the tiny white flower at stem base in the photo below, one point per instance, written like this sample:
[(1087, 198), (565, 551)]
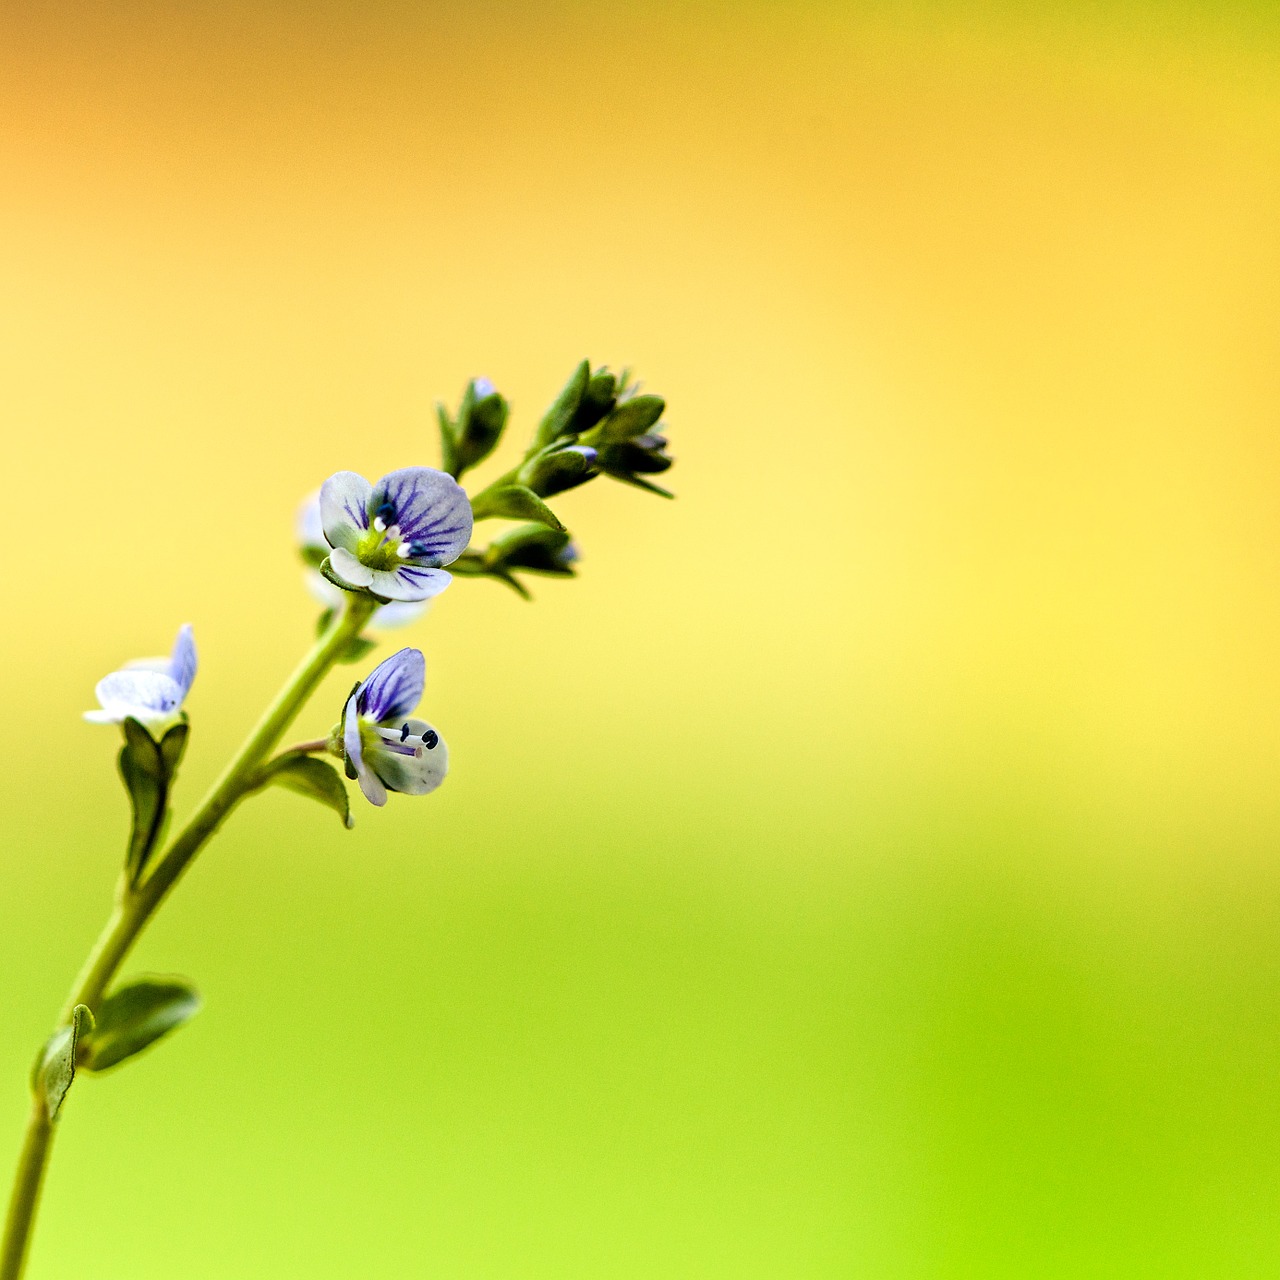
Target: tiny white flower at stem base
[(384, 747), (392, 539), (149, 690)]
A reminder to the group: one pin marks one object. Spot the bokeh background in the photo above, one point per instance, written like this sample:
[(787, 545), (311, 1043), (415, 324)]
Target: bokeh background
[(870, 867)]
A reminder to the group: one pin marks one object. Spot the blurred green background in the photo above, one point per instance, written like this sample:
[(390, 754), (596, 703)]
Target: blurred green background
[(867, 868)]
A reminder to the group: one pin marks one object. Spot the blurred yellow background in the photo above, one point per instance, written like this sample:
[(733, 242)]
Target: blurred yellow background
[(868, 867)]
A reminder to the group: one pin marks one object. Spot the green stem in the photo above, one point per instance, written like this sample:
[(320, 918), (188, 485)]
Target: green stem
[(134, 908), (26, 1192)]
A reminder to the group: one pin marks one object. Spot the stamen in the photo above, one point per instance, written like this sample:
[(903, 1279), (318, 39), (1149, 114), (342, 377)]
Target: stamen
[(404, 551), (431, 738), (404, 732), (386, 513), (379, 524)]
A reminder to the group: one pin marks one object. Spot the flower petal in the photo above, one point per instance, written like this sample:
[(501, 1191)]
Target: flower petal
[(369, 781), (182, 662), (344, 509), (310, 527), (431, 509), (394, 688), (415, 774), (145, 695), (409, 582), (399, 614), (322, 590), (349, 569)]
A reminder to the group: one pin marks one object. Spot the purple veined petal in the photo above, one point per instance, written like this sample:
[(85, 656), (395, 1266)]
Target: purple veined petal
[(344, 509), (148, 696), (369, 781), (182, 662), (431, 509), (409, 582), (309, 526), (394, 688), (404, 762), (349, 569)]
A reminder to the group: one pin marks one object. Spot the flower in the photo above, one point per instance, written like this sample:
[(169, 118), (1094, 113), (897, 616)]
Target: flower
[(390, 539), (315, 550), (149, 690), (383, 748)]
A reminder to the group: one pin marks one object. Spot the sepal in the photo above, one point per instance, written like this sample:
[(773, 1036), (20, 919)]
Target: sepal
[(559, 419), (331, 575), (148, 769), (514, 502)]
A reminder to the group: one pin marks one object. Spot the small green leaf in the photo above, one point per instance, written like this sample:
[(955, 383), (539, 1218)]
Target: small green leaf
[(309, 776), (631, 418), (557, 419), (358, 647), (56, 1066), (514, 502), (323, 621), (556, 470), (135, 1016)]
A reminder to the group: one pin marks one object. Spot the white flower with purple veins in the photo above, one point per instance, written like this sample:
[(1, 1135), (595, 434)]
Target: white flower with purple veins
[(392, 538), (385, 749), (149, 690), (315, 549)]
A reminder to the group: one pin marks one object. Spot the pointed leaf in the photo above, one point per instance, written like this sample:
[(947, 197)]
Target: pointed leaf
[(56, 1067), (311, 777), (134, 1017), (359, 647)]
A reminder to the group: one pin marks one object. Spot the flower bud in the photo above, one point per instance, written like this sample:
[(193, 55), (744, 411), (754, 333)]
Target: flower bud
[(628, 460), (557, 470), (597, 401), (474, 434), (534, 548)]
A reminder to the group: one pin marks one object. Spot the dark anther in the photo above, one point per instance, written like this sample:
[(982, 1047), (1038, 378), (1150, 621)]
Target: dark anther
[(404, 732), (417, 549), (387, 513), (431, 738)]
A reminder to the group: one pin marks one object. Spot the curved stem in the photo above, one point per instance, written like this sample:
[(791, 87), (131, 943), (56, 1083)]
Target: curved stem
[(135, 907)]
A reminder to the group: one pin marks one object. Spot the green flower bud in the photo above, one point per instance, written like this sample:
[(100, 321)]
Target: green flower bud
[(557, 470), (473, 435), (628, 460), (534, 548)]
